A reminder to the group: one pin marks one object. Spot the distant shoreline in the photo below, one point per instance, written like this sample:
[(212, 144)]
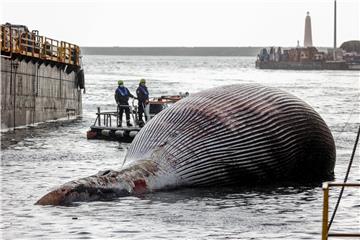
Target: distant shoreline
[(172, 51)]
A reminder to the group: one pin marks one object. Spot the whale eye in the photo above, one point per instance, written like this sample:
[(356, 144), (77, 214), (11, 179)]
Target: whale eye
[(105, 173)]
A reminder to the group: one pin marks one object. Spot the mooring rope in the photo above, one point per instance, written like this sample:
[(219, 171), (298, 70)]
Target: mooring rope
[(345, 179)]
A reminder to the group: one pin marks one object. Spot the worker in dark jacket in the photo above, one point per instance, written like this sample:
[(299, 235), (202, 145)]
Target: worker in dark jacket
[(122, 95), (143, 99)]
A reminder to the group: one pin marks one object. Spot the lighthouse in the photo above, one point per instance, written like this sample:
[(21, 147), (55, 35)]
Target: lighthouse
[(308, 36)]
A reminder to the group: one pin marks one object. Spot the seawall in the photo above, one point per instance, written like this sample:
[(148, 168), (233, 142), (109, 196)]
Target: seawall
[(34, 92), (172, 51)]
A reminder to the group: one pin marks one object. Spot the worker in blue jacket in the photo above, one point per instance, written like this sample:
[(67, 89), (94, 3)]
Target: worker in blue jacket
[(143, 99), (122, 95)]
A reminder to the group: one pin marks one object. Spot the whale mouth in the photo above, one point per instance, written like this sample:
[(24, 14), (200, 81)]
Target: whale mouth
[(61, 196)]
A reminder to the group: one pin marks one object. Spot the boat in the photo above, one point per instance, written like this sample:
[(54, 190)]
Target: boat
[(107, 123), (302, 58)]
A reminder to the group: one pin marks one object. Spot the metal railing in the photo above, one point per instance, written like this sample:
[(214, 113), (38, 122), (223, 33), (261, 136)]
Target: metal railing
[(33, 45), (325, 223), (107, 119)]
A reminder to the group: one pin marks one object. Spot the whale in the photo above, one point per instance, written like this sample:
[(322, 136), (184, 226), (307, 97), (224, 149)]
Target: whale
[(233, 135)]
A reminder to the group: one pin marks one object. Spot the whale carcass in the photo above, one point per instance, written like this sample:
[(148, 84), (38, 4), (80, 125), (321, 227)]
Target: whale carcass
[(230, 135)]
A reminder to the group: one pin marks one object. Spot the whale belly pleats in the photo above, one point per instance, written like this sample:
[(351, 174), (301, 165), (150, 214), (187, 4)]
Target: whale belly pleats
[(238, 133)]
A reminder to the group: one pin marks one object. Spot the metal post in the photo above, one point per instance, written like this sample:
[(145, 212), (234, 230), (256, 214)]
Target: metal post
[(117, 116), (15, 65), (98, 113), (325, 220), (334, 30)]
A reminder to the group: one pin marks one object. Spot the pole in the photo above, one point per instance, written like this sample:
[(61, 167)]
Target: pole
[(334, 30), (98, 113), (15, 64), (324, 235)]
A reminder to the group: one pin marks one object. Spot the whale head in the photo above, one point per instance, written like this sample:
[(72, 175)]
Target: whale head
[(132, 179), (102, 186), (62, 196)]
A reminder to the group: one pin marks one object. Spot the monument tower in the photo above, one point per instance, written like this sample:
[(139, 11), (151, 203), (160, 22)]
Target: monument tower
[(308, 36)]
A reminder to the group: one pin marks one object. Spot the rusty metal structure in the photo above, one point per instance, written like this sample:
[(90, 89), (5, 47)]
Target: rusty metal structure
[(19, 41), (325, 222), (41, 78)]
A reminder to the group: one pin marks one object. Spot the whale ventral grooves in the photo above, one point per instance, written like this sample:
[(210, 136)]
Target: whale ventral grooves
[(236, 134)]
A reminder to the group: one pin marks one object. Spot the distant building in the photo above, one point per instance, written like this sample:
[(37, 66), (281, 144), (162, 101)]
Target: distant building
[(308, 54), (308, 36), (320, 56), (293, 54), (337, 53)]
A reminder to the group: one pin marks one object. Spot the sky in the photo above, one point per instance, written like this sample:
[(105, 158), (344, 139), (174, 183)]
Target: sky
[(185, 23)]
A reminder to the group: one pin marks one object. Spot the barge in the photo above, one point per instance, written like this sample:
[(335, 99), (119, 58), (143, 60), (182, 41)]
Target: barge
[(41, 78), (306, 58)]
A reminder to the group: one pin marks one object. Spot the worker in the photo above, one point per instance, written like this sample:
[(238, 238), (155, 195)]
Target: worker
[(143, 99), (122, 95)]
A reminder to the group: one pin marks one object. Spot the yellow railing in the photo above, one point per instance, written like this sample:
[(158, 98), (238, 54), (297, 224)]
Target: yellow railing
[(32, 45), (325, 224)]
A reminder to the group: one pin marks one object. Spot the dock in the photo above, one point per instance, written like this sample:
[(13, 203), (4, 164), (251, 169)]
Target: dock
[(41, 78)]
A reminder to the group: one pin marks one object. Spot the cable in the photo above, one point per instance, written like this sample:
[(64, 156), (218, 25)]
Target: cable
[(345, 179)]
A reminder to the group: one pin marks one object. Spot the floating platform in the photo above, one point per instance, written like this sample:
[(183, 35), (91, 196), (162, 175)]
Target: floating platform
[(122, 134), (109, 126)]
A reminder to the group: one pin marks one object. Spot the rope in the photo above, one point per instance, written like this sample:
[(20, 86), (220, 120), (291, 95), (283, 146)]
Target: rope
[(345, 179)]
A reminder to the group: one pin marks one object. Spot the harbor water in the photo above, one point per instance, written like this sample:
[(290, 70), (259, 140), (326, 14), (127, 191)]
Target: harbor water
[(34, 160)]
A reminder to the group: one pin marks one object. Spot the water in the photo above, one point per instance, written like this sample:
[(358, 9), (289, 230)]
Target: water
[(35, 160)]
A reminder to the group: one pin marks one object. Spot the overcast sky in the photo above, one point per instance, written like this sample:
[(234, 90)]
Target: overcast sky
[(185, 22)]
